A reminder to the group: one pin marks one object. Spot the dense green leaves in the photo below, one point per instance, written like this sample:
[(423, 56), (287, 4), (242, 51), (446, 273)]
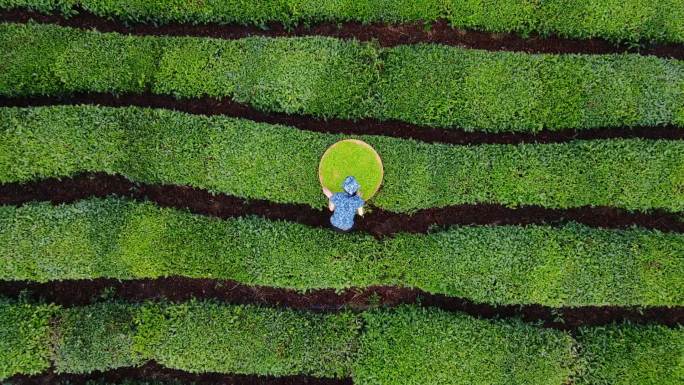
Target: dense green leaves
[(98, 337), (196, 337), (320, 76), (625, 20), (632, 355), (207, 337), (414, 346), (568, 266), (438, 86), (280, 163), (402, 346), (423, 84), (24, 338)]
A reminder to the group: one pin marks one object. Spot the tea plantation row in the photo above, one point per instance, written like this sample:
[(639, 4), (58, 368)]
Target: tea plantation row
[(279, 163), (423, 84), (620, 21), (570, 265), (422, 345)]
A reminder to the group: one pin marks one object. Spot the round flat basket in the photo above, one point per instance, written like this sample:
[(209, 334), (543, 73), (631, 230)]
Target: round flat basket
[(351, 157)]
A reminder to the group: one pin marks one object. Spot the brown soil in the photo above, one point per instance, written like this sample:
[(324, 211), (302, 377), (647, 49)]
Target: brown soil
[(385, 34), (211, 106), (155, 372), (177, 289), (378, 222)]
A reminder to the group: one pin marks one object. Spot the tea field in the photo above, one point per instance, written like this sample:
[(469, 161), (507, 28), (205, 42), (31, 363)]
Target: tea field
[(162, 221)]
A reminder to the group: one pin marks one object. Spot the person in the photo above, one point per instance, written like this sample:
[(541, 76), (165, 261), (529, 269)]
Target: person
[(345, 205)]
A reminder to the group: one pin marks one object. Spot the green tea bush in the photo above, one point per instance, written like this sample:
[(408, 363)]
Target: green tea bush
[(414, 346), (328, 78), (97, 337), (194, 336), (278, 163), (401, 346), (24, 338), (320, 76), (506, 91), (632, 355), (570, 265), (630, 21), (209, 337)]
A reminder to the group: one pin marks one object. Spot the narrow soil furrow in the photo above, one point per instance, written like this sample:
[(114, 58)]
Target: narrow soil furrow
[(377, 222), (155, 372), (211, 106), (71, 293), (387, 35)]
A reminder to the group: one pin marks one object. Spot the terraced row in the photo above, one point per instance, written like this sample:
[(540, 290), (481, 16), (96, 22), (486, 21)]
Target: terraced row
[(428, 85), (279, 163), (631, 21), (563, 266), (422, 345)]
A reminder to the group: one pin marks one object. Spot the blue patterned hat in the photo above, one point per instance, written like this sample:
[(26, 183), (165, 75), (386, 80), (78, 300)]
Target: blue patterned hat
[(350, 185)]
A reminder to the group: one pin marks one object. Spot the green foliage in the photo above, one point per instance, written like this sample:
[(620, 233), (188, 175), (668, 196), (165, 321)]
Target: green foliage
[(124, 63), (28, 71), (556, 266), (278, 163), (406, 345), (248, 340), (197, 337), (632, 355), (24, 338), (97, 337), (506, 91), (414, 346), (323, 77), (627, 21), (620, 21), (320, 76)]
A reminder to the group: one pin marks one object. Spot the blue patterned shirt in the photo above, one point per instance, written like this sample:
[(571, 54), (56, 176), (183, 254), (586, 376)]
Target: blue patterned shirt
[(345, 210)]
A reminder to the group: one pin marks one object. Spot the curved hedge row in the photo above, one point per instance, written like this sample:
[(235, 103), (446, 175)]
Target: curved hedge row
[(279, 163), (24, 338), (401, 346), (620, 21), (423, 84), (206, 337), (567, 266), (627, 355)]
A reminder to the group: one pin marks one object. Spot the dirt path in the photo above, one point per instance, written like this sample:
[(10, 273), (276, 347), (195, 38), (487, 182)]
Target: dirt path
[(378, 223), (177, 289), (155, 372), (386, 35), (211, 106)]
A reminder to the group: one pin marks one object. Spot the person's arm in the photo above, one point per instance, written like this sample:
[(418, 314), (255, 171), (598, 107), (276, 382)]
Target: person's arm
[(329, 194), (360, 209)]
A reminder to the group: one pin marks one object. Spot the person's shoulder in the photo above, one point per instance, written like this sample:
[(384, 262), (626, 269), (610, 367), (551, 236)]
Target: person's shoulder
[(359, 201), (337, 196)]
